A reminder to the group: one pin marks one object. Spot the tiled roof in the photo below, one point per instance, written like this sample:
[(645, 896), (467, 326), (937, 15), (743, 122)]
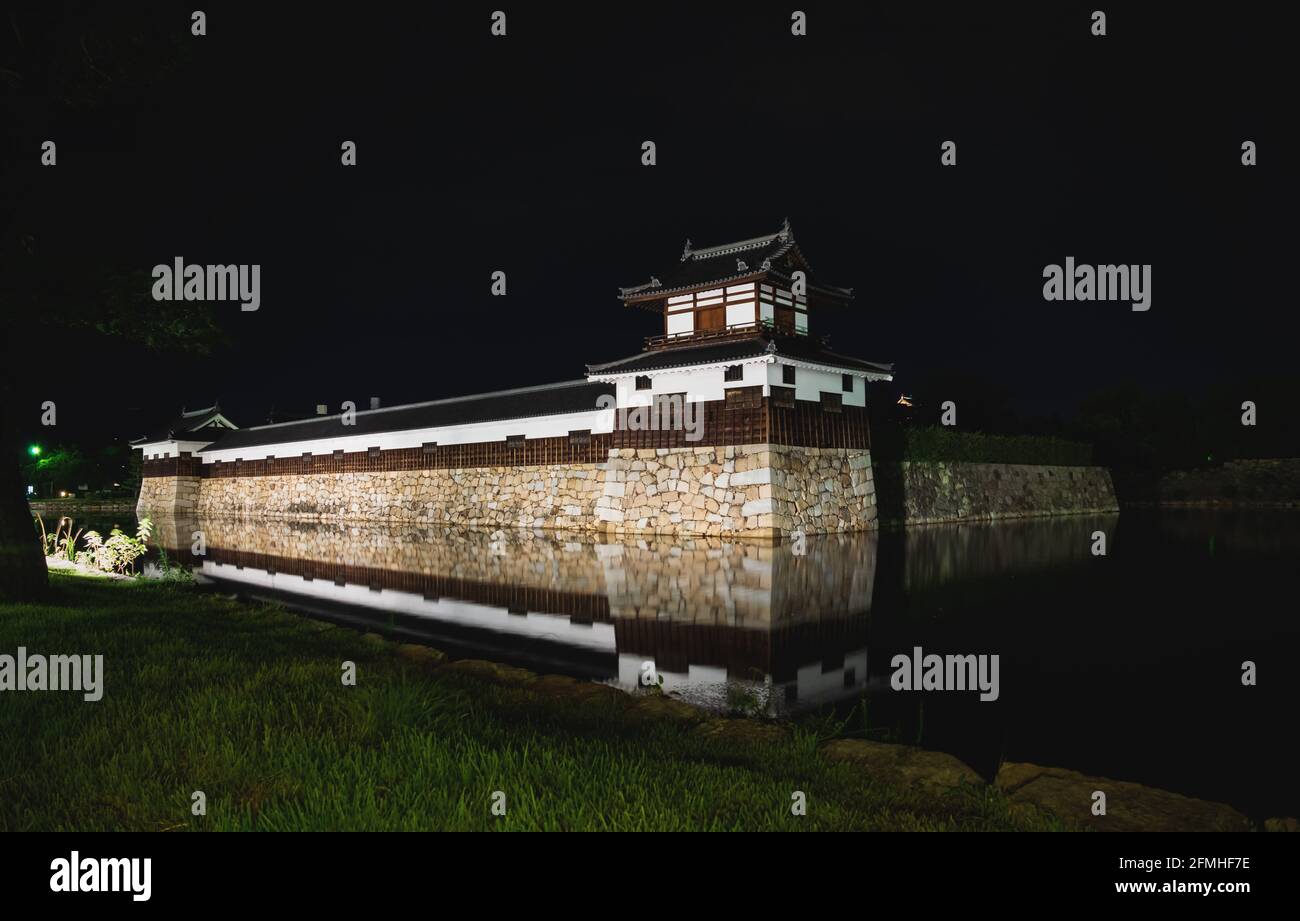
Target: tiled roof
[(798, 347), (775, 255), (188, 422), (546, 400)]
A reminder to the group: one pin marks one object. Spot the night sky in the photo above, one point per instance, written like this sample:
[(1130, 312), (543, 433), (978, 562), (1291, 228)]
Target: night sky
[(523, 154)]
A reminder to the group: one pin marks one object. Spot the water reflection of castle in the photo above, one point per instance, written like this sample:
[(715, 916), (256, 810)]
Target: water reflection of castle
[(709, 616), (705, 612)]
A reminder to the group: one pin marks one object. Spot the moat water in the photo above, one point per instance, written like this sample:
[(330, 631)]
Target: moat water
[(1127, 665)]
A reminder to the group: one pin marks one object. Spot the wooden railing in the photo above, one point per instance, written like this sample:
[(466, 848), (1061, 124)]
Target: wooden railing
[(736, 331)]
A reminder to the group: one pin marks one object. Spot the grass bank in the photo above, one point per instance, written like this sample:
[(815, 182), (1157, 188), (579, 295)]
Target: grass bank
[(244, 702)]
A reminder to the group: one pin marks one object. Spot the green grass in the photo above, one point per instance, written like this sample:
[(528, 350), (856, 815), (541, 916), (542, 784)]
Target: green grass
[(244, 702)]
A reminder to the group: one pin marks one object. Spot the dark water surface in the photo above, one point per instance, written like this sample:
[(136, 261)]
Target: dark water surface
[(1127, 665)]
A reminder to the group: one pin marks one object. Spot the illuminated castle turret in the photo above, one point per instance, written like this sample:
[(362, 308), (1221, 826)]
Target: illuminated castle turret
[(736, 419)]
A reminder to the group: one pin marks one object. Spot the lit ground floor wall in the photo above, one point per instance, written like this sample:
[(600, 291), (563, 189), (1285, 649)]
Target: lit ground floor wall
[(168, 496), (751, 490), (926, 492), (756, 490), (762, 490), (542, 496)]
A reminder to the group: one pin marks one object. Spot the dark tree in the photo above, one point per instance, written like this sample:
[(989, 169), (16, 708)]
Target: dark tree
[(64, 71)]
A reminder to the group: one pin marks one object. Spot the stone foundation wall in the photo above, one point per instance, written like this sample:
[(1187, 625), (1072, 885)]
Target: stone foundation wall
[(168, 496), (823, 490), (553, 496), (757, 490), (912, 492)]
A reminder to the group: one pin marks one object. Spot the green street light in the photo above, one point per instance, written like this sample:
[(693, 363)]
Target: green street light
[(34, 450)]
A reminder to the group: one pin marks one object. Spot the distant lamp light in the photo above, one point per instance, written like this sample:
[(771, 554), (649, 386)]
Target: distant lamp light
[(905, 400), (31, 490), (34, 450)]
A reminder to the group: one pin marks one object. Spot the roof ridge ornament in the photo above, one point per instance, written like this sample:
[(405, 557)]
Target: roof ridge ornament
[(740, 266), (786, 232), (767, 265), (686, 253)]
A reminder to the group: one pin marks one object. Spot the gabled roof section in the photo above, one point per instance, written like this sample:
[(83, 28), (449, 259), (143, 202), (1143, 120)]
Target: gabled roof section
[(775, 257), (526, 402), (799, 348), (190, 425)]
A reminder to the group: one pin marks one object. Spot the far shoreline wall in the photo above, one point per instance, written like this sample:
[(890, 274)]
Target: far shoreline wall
[(917, 492), (1264, 483)]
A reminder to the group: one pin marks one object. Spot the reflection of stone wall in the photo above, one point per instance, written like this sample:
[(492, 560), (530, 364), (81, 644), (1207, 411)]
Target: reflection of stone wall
[(739, 584), (753, 489), (921, 492), (1259, 533), (175, 533), (693, 580), (834, 577), (527, 558), (942, 554), (551, 496), (167, 496), (1267, 481)]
